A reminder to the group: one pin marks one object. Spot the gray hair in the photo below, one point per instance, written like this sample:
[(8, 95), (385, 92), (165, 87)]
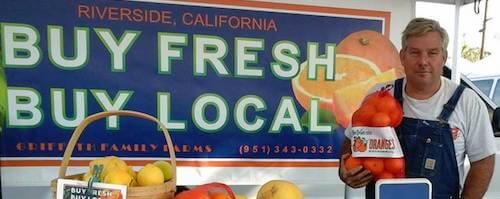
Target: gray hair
[(420, 26)]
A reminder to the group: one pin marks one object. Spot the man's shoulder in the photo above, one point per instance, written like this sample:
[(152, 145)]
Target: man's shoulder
[(468, 93), (469, 100), (451, 87)]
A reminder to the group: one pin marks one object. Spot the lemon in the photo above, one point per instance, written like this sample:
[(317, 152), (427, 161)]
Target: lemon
[(131, 172), (118, 177), (110, 163), (166, 169), (150, 175), (113, 163)]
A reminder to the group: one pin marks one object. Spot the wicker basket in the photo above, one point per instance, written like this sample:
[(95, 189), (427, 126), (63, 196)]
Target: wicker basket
[(164, 191)]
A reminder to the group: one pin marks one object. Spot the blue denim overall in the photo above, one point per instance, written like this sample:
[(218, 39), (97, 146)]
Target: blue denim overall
[(428, 149)]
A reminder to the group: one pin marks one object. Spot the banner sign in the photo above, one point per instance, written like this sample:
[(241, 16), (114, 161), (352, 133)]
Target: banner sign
[(240, 82)]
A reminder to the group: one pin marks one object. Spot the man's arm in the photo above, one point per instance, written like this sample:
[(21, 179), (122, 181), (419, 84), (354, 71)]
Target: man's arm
[(346, 147), (479, 177), (356, 177)]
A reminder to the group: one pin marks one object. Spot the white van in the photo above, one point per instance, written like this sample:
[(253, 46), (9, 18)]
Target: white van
[(489, 85)]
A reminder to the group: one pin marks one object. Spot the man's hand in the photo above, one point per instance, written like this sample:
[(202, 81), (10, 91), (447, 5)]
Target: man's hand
[(357, 177)]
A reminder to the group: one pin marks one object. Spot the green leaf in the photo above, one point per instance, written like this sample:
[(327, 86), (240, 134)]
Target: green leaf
[(325, 118)]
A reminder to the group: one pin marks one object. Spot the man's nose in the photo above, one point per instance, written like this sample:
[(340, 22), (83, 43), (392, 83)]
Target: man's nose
[(423, 59)]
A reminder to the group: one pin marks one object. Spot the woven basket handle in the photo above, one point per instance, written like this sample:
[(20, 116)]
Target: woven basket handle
[(79, 129)]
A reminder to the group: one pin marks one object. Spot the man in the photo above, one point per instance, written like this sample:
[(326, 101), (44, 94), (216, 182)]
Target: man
[(435, 138)]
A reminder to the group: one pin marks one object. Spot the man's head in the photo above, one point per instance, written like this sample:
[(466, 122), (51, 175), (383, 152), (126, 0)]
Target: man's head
[(423, 53), (420, 26)]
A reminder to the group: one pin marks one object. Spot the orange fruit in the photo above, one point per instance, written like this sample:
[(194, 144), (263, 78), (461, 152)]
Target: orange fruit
[(374, 165), (394, 165), (352, 163), (358, 123), (400, 175), (373, 46), (380, 119), (396, 116), (386, 104), (364, 114), (385, 175), (349, 70), (219, 195)]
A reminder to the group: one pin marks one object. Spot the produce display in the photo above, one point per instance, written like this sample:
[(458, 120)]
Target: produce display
[(274, 189), (115, 171), (380, 109), (379, 150)]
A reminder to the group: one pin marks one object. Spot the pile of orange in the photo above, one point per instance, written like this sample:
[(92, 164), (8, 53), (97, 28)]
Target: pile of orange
[(380, 168), (379, 109), (363, 59)]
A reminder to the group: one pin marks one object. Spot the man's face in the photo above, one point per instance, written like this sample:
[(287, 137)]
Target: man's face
[(423, 59)]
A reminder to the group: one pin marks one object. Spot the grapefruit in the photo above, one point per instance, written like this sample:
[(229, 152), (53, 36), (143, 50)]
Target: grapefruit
[(279, 189)]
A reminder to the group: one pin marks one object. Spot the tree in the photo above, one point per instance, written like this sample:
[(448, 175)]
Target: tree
[(472, 53)]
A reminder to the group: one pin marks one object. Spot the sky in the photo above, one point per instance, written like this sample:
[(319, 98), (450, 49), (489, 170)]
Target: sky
[(470, 24)]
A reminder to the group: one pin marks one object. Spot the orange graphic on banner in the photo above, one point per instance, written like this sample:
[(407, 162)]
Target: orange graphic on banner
[(363, 59)]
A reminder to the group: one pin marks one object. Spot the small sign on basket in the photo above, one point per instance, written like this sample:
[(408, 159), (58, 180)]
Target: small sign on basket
[(74, 189)]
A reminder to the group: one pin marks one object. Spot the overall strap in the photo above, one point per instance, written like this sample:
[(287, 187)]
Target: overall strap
[(450, 105), (398, 90)]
